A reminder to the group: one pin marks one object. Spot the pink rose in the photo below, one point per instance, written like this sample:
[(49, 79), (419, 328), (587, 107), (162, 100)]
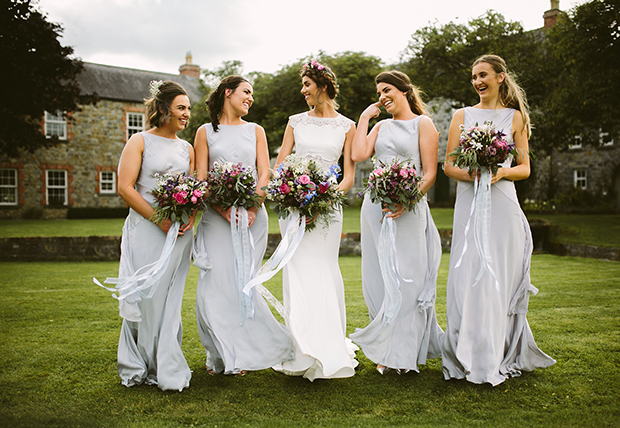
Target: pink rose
[(404, 173), (194, 199), (198, 193), (285, 188), (179, 197), (304, 179), (378, 171), (323, 187)]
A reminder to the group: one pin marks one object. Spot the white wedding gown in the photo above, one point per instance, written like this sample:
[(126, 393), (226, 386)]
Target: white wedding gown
[(313, 289)]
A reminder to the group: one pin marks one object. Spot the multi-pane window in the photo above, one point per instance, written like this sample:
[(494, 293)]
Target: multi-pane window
[(604, 139), (8, 186), (581, 179), (107, 182), (57, 188), (55, 125), (135, 123), (576, 144)]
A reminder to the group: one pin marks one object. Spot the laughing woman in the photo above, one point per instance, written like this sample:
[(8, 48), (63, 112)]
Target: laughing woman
[(259, 341), (488, 338), (406, 338)]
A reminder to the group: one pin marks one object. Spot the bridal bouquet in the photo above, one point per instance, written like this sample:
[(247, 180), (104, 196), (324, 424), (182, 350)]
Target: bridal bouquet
[(300, 184), (394, 182), (177, 196), (482, 146), (232, 185)]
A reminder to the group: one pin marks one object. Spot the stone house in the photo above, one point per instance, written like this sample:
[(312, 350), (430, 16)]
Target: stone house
[(80, 171)]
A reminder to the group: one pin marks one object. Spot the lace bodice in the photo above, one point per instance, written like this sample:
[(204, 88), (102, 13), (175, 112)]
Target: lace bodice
[(321, 138)]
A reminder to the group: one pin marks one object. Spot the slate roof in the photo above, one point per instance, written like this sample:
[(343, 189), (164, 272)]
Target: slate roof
[(127, 84)]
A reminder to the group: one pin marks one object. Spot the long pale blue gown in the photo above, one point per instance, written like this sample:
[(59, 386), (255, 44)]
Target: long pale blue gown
[(149, 351), (413, 335), (488, 338), (233, 341)]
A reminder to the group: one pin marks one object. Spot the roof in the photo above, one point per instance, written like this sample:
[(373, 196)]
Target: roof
[(127, 84)]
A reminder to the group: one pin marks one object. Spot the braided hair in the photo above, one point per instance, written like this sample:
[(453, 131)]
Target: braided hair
[(215, 102)]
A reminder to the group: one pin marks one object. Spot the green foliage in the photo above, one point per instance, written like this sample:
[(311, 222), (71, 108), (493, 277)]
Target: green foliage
[(581, 72), (59, 335), (40, 76)]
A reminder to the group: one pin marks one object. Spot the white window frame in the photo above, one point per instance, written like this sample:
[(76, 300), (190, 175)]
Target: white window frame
[(49, 186), (131, 127), (104, 182), (601, 139), (577, 144), (14, 186), (54, 123), (580, 178)]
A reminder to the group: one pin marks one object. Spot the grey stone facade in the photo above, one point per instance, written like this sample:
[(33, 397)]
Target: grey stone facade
[(95, 140)]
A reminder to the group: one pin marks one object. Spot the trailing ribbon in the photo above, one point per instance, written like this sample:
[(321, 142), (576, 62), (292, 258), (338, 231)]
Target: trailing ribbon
[(481, 214), (144, 281), (295, 229), (243, 247), (426, 299), (388, 262)]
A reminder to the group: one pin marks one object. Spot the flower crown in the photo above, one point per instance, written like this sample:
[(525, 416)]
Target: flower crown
[(314, 64), (154, 86)]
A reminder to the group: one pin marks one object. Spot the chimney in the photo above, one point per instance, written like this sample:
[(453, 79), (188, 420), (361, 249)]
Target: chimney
[(188, 68), (551, 16)]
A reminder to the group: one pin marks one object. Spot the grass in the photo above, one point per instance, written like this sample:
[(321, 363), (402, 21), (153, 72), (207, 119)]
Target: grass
[(590, 229), (59, 333)]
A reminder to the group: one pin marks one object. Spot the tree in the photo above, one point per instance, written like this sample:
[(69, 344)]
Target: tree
[(39, 75), (582, 70)]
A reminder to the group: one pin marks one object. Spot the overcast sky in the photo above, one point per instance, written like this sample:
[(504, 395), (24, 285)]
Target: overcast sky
[(264, 34)]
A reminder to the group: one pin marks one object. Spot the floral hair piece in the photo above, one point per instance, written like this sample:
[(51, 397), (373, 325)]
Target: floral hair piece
[(154, 87), (314, 64)]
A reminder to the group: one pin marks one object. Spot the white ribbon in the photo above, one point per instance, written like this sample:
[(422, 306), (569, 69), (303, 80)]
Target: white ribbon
[(388, 262), (144, 281), (426, 299), (295, 229), (481, 214), (243, 247)]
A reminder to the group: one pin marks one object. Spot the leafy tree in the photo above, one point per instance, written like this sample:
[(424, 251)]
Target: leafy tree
[(582, 70), (38, 74)]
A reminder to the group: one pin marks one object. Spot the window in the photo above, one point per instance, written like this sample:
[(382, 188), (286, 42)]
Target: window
[(55, 125), (581, 179), (576, 144), (135, 123), (8, 186), (56, 186), (604, 139), (107, 182)]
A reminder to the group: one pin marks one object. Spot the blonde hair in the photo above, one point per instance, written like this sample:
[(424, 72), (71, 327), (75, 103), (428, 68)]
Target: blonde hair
[(510, 93)]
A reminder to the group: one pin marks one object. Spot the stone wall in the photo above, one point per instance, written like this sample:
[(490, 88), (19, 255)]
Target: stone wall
[(95, 141)]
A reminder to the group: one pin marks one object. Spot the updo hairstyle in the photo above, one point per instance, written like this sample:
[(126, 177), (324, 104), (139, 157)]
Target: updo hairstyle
[(215, 102), (323, 76), (158, 106)]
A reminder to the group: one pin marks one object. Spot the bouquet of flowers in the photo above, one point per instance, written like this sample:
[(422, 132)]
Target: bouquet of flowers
[(394, 182), (232, 185), (177, 196), (482, 146), (299, 183)]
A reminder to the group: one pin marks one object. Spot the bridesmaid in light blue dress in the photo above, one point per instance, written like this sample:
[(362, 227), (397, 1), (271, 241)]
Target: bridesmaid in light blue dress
[(239, 333), (409, 337), (149, 349), (488, 338)]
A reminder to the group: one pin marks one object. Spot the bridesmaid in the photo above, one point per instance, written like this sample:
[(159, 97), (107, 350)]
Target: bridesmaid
[(259, 341), (488, 338), (408, 338), (312, 284), (149, 349)]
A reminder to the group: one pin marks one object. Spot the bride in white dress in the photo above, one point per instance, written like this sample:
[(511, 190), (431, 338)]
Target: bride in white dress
[(313, 289)]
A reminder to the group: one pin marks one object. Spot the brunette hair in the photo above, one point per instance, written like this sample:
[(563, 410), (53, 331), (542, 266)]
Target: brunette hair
[(401, 81), (324, 77), (215, 102), (158, 106), (510, 93)]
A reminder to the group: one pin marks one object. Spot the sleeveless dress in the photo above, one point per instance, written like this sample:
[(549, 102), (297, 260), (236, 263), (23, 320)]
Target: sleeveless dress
[(414, 334), (488, 338), (149, 351), (231, 346), (313, 289)]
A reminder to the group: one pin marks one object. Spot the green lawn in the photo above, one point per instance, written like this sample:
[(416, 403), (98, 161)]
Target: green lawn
[(59, 333)]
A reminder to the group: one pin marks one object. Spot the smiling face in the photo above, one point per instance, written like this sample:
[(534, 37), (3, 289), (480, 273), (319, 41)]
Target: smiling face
[(391, 98), (486, 81), (179, 112), (240, 99), (310, 91)]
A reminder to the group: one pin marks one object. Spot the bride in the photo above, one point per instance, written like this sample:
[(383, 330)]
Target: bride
[(313, 289)]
